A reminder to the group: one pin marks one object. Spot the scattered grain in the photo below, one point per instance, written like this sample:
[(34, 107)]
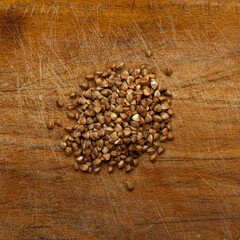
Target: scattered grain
[(168, 71), (148, 53), (89, 76), (68, 151), (110, 169), (73, 94), (129, 185), (84, 167), (51, 124), (59, 103), (58, 122)]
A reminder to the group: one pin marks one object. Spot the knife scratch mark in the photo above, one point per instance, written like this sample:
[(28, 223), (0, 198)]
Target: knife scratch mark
[(34, 5), (164, 224), (25, 11), (42, 9)]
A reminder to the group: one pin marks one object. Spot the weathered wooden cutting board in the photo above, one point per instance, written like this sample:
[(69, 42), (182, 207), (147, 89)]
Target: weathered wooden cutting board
[(192, 191)]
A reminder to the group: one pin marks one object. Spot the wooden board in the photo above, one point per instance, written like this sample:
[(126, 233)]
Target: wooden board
[(192, 191)]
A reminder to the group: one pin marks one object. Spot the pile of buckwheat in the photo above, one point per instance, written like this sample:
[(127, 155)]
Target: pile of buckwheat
[(124, 114)]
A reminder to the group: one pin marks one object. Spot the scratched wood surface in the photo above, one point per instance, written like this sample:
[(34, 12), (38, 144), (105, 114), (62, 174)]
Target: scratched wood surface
[(192, 191)]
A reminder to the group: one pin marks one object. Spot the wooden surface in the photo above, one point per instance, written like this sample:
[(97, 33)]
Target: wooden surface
[(192, 191)]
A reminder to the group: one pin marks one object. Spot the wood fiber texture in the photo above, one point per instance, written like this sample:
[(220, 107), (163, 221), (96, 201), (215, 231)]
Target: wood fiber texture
[(192, 191)]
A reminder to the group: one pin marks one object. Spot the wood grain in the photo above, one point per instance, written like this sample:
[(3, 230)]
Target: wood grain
[(192, 191)]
